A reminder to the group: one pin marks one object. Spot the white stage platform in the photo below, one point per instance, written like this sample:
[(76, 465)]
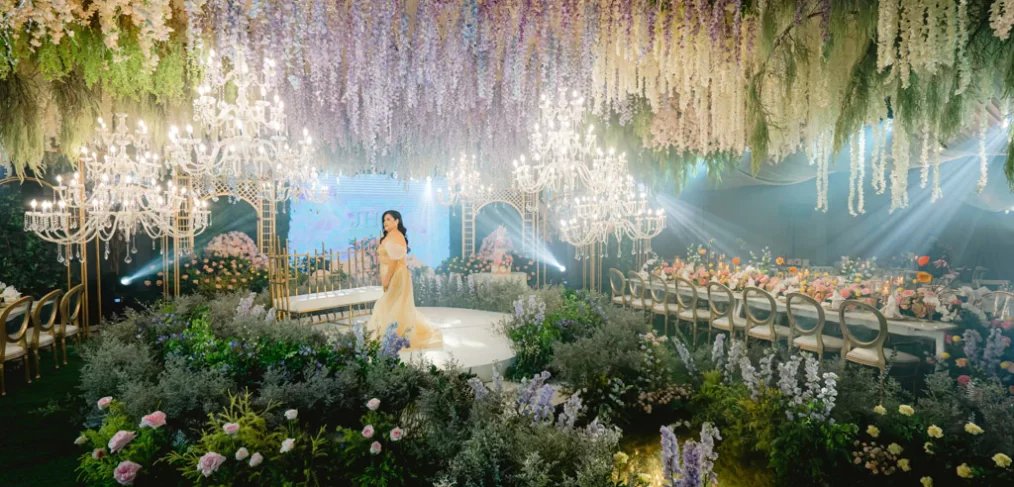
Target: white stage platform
[(470, 340)]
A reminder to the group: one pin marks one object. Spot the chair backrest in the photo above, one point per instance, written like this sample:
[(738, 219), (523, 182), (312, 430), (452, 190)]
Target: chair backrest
[(50, 305), (70, 308), (762, 302), (659, 290), (686, 294), (800, 301), (636, 284), (721, 302), (617, 283), (999, 303), (852, 341), (20, 310)]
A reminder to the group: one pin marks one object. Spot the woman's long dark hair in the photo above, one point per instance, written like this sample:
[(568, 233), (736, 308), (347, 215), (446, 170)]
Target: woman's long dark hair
[(401, 225)]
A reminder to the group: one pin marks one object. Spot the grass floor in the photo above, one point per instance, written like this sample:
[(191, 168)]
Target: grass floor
[(38, 425)]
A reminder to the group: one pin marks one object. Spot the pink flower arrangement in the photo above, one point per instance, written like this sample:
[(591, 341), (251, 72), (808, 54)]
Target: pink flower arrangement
[(963, 380), (104, 402), (120, 440), (368, 431), (126, 472), (845, 293), (230, 428), (375, 448), (238, 245), (209, 463), (908, 293), (397, 434), (154, 420)]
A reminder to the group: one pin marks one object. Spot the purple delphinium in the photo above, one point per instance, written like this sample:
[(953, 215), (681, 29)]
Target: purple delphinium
[(992, 354), (972, 340), (670, 455), (691, 466), (360, 333), (571, 411), (735, 354), (543, 411), (709, 433), (685, 356), (478, 388), (391, 343), (530, 388), (718, 352)]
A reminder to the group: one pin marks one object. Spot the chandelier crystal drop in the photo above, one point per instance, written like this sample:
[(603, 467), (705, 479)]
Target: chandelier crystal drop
[(245, 138), (119, 196)]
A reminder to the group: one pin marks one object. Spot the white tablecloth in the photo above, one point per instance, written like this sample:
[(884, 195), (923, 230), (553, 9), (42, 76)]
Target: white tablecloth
[(519, 277)]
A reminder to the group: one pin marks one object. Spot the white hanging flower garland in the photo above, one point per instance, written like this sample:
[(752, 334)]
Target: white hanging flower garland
[(983, 159)]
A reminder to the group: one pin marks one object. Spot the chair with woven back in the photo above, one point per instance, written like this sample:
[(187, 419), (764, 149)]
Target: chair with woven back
[(811, 339), (618, 288), (723, 312), (70, 318), (686, 301), (761, 312), (638, 299), (660, 300), (42, 332), (12, 344), (871, 353)]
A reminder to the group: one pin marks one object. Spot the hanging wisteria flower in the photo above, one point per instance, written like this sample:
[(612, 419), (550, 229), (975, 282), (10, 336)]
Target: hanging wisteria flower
[(154, 420), (397, 434), (104, 402), (120, 440), (242, 454), (906, 410), (287, 445), (375, 448), (973, 429), (209, 463), (373, 404), (291, 414), (256, 459), (230, 428), (368, 431), (126, 472)]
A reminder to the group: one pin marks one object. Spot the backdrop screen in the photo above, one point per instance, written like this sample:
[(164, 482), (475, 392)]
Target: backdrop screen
[(354, 210)]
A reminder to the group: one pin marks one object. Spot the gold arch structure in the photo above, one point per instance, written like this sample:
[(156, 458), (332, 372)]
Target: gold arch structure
[(533, 222), (86, 315), (246, 191)]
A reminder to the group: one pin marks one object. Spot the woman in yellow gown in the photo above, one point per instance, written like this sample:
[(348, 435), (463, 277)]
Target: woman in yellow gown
[(397, 305)]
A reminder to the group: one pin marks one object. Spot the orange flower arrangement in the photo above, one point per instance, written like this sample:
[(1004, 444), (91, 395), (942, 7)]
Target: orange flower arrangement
[(779, 261), (793, 270), (923, 260), (702, 251), (924, 277), (735, 261)]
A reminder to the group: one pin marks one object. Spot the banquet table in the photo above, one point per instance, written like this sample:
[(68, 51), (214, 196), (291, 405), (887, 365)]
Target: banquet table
[(519, 277), (933, 330)]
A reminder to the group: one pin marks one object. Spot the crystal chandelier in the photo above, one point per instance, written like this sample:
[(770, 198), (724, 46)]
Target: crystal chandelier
[(120, 197), (244, 139), (613, 206), (463, 183), (560, 149)]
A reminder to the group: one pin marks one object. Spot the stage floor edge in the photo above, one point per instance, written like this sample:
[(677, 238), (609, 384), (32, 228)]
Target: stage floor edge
[(471, 340)]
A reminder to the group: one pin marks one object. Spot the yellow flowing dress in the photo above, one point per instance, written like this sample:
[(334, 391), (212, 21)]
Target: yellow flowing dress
[(397, 305)]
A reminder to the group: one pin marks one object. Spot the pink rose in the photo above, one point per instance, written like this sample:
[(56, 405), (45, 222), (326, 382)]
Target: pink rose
[(397, 434), (963, 380), (231, 428), (154, 420), (374, 404), (120, 440), (368, 431), (287, 445), (126, 472), (256, 459), (99, 453), (845, 293), (104, 402), (908, 293), (375, 447), (209, 463)]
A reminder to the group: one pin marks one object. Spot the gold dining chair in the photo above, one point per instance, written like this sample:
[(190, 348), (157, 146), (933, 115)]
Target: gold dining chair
[(871, 353), (42, 333), (618, 288), (12, 345), (761, 316), (810, 339), (686, 305), (660, 300), (70, 318), (1000, 304), (638, 300), (723, 311)]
